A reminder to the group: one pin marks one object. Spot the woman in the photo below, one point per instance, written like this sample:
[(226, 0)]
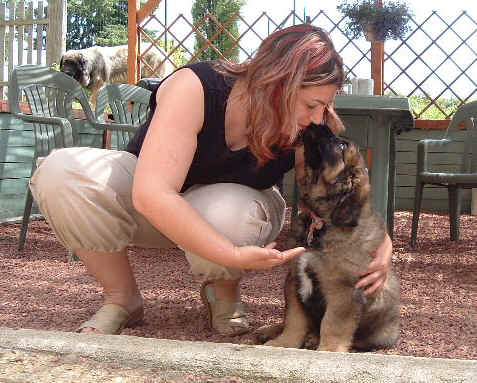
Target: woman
[(199, 174)]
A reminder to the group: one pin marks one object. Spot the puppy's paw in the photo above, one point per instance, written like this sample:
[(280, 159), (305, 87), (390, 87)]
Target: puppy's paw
[(274, 343), (333, 349), (286, 342), (312, 341)]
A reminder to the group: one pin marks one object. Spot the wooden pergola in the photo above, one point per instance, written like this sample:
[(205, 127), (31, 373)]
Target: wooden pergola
[(136, 15), (377, 61)]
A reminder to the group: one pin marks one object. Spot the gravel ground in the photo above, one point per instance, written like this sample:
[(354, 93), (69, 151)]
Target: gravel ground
[(41, 288)]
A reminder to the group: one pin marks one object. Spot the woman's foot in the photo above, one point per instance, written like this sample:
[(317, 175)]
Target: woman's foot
[(122, 299), (226, 313), (114, 316), (111, 319)]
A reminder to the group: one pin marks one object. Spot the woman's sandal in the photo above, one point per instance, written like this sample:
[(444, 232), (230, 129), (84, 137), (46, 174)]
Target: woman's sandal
[(226, 317), (112, 319)]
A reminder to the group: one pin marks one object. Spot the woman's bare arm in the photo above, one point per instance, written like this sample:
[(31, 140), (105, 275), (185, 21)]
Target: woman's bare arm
[(162, 167)]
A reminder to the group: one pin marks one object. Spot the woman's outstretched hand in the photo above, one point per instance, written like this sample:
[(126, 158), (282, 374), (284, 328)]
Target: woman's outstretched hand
[(255, 257)]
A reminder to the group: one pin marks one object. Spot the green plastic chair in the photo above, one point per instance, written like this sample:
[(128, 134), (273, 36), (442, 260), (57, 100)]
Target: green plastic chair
[(50, 95), (129, 105), (466, 178)]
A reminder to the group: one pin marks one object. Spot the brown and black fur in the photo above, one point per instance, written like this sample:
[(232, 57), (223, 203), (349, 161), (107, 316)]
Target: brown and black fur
[(93, 67), (319, 289)]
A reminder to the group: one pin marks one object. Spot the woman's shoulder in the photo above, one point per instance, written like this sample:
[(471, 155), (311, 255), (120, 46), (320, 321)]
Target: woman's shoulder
[(182, 82), (203, 70), (208, 74), (203, 67)]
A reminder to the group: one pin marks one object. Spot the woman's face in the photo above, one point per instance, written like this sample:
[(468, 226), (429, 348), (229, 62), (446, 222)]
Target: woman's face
[(311, 104)]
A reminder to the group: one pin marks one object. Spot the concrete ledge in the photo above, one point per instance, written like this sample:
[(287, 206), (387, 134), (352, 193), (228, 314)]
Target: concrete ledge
[(251, 363)]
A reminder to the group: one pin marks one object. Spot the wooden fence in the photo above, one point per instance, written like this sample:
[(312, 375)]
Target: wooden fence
[(30, 34)]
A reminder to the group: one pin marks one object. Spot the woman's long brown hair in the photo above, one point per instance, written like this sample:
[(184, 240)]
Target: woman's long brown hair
[(286, 61)]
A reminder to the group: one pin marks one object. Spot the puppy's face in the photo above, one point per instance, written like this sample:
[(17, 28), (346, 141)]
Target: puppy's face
[(335, 182), (74, 64)]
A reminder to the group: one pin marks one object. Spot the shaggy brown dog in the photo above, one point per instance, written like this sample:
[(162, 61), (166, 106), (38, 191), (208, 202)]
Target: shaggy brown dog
[(93, 67), (319, 289)]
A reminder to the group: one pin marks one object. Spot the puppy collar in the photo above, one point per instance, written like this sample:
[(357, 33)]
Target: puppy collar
[(317, 223)]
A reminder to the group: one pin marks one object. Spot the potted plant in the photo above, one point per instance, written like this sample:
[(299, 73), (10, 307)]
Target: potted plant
[(391, 21)]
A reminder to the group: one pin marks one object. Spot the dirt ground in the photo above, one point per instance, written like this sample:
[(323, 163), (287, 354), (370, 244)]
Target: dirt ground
[(41, 288)]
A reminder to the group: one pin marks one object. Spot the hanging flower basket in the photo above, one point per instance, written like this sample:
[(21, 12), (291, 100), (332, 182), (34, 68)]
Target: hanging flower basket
[(369, 32), (364, 17)]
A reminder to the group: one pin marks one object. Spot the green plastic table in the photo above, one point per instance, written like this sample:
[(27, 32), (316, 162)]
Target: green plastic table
[(373, 122)]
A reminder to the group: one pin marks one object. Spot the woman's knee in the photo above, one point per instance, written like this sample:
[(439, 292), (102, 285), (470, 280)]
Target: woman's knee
[(85, 195), (74, 170), (239, 212)]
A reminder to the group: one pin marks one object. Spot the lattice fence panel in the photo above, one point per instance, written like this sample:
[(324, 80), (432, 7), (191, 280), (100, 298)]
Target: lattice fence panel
[(183, 32), (444, 53), (434, 66)]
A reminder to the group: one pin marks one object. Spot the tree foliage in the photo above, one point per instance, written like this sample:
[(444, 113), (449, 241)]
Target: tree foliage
[(222, 10), (423, 107), (93, 22), (112, 35), (448, 105), (104, 23)]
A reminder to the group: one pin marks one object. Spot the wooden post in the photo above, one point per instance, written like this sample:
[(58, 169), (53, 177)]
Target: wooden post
[(136, 15), (56, 42), (377, 61), (377, 66), (146, 10), (133, 6)]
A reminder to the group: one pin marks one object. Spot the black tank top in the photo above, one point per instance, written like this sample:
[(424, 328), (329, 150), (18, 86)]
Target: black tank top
[(214, 162)]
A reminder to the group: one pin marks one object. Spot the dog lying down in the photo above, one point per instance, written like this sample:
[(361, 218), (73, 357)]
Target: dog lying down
[(319, 288)]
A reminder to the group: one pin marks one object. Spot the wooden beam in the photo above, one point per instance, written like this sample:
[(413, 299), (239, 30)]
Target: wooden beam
[(56, 42), (133, 6), (146, 10), (136, 15), (377, 66), (17, 22), (436, 124), (431, 124), (377, 61)]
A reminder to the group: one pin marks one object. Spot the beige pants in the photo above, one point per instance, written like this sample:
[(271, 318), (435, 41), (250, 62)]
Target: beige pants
[(85, 195)]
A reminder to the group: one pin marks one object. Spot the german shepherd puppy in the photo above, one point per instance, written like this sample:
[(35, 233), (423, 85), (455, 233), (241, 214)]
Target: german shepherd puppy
[(340, 230)]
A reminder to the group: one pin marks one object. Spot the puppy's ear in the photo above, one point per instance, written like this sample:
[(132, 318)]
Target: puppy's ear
[(347, 212), (61, 63)]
